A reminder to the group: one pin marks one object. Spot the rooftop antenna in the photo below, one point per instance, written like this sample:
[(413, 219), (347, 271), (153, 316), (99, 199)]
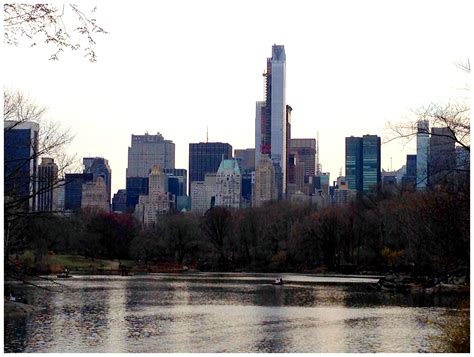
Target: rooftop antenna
[(390, 163), (207, 134)]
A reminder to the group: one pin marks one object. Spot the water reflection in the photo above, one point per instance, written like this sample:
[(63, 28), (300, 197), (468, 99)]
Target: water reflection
[(162, 314)]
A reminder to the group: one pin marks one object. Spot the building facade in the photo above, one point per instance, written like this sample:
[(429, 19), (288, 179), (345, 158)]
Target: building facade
[(371, 162), (229, 184), (363, 163), (265, 187), (306, 151), (73, 190), (47, 185), (145, 152), (354, 163), (409, 179), (245, 159), (98, 166), (442, 161), (119, 201), (206, 158), (177, 181), (422, 154), (94, 196), (20, 148), (158, 201)]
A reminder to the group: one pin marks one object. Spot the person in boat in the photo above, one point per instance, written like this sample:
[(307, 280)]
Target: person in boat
[(278, 281)]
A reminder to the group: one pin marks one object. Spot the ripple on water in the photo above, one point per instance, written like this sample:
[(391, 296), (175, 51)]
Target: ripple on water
[(199, 314)]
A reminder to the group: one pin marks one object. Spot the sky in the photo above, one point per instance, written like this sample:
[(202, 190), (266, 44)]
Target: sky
[(183, 67)]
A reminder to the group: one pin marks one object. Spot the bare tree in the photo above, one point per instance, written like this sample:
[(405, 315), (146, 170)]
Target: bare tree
[(451, 123), (51, 141), (46, 23)]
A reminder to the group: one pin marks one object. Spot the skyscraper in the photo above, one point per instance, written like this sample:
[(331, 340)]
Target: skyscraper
[(306, 150), (73, 189), (371, 162), (158, 201), (228, 184), (47, 185), (177, 181), (245, 158), (354, 163), (145, 152), (21, 162), (363, 163), (409, 179), (98, 166), (265, 188), (94, 195), (273, 116), (442, 155), (422, 154), (206, 158)]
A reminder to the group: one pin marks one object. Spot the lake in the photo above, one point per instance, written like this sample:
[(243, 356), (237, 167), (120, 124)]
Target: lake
[(208, 312)]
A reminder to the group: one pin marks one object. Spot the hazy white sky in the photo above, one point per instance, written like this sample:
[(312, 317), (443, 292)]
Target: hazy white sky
[(177, 67)]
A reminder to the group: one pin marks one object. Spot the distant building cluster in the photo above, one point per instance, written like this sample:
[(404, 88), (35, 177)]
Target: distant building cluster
[(278, 167)]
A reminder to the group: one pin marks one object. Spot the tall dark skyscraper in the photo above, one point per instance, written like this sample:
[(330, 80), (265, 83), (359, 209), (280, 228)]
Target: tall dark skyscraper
[(206, 158), (363, 162), (354, 163), (21, 162)]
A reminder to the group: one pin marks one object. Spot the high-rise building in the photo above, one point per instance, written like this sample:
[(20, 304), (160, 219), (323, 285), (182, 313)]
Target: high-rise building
[(206, 158), (422, 154), (295, 174), (158, 201), (245, 159), (145, 152), (265, 187), (409, 179), (306, 150), (177, 181), (442, 157), (273, 116), (287, 145), (363, 163), (247, 178), (73, 190), (98, 166), (21, 162), (94, 195), (203, 193), (228, 184), (354, 163), (371, 162), (47, 185), (119, 201)]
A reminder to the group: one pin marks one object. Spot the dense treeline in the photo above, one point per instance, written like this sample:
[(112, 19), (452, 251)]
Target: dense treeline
[(421, 233)]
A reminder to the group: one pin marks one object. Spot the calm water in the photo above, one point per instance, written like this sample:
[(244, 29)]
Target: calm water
[(223, 313)]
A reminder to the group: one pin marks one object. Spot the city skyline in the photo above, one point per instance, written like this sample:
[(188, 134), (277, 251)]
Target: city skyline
[(345, 76)]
